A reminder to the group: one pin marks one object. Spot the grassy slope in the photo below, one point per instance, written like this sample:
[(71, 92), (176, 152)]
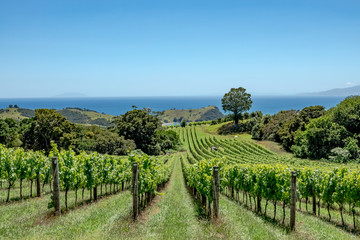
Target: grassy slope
[(92, 114), (11, 113), (190, 114), (83, 117)]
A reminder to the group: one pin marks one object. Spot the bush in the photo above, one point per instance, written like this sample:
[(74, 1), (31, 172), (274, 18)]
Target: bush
[(319, 138), (339, 155)]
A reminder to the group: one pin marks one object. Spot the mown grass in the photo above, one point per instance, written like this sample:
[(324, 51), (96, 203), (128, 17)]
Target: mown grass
[(30, 219), (274, 147), (15, 191), (307, 225)]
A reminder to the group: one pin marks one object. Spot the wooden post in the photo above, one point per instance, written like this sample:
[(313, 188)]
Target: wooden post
[(314, 202), (293, 201), (216, 190), (135, 186), (38, 186), (95, 193), (56, 185)]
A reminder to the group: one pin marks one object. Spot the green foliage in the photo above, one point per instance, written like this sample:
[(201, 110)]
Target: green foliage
[(168, 139), (347, 114), (47, 126), (152, 172), (282, 126), (339, 155), (140, 126), (270, 130), (94, 138), (243, 126), (319, 138), (308, 113), (236, 101), (183, 123), (265, 181), (352, 146), (200, 176), (9, 133)]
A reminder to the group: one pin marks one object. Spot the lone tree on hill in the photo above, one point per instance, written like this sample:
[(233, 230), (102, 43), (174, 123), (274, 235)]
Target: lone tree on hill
[(236, 101)]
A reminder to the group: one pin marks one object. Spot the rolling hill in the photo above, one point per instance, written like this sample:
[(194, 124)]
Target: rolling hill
[(74, 115), (191, 115), (90, 117)]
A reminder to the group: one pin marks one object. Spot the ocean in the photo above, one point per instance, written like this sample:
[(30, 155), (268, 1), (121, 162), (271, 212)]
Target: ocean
[(120, 105)]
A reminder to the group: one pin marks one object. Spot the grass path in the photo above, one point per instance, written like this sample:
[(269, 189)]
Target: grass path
[(173, 215)]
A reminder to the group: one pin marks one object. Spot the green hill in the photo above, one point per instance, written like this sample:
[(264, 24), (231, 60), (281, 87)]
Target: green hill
[(90, 117), (191, 115), (74, 115)]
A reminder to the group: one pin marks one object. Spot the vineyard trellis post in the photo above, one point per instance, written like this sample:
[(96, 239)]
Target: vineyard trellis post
[(38, 186), (56, 185), (216, 190), (95, 194), (135, 189), (314, 202), (293, 201)]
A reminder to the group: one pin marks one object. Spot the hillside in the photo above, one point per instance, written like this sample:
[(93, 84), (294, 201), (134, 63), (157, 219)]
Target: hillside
[(349, 91), (191, 115), (74, 115), (85, 116)]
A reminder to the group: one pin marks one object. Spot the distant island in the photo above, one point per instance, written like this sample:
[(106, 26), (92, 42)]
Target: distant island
[(337, 92), (91, 117)]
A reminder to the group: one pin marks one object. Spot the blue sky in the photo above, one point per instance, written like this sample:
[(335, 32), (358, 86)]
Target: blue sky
[(177, 48)]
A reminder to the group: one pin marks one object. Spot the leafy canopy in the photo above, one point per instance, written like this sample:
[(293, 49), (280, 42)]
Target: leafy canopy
[(237, 100)]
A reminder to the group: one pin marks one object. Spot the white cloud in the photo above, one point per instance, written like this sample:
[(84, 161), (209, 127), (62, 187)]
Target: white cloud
[(349, 83)]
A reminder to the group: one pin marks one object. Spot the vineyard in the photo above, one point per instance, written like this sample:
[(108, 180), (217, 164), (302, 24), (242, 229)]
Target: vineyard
[(260, 176), (92, 172), (97, 195)]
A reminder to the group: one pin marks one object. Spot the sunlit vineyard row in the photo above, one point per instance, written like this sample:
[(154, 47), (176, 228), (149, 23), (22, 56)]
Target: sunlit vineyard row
[(331, 190), (78, 173)]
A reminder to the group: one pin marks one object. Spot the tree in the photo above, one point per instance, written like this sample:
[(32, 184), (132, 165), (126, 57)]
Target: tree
[(321, 135), (168, 139), (9, 130), (347, 114), (183, 123), (95, 138), (140, 126), (236, 101), (48, 125), (308, 113), (270, 130)]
